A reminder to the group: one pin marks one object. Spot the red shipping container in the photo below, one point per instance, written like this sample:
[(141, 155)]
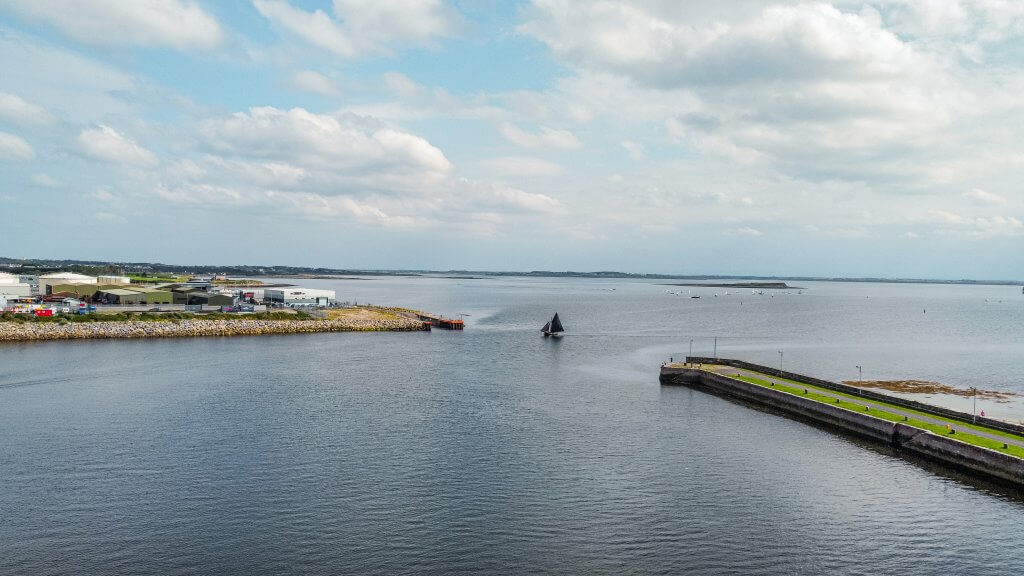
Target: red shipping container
[(46, 312)]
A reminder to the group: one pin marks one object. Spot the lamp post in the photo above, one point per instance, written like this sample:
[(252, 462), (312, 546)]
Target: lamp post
[(780, 361), (860, 374), (974, 410), (716, 347)]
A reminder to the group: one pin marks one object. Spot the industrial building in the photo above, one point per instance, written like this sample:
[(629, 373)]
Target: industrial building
[(208, 299), (295, 296), (117, 280), (119, 296), (182, 292), (153, 295), (134, 296), (80, 291), (11, 286), (251, 294), (47, 280)]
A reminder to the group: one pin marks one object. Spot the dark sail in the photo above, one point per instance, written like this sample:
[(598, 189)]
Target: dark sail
[(546, 328), (556, 324)]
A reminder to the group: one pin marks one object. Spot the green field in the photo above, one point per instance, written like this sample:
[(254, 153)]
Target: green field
[(167, 279)]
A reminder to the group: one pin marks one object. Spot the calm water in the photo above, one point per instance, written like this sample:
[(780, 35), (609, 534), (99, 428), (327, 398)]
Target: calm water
[(495, 450)]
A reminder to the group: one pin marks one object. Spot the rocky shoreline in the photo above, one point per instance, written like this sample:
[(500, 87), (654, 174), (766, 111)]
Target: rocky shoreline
[(32, 331)]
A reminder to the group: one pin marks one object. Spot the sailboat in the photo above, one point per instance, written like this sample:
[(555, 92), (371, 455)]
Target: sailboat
[(553, 328)]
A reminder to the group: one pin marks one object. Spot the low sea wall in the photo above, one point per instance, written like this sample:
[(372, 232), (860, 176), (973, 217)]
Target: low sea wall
[(908, 439), (869, 394), (17, 331)]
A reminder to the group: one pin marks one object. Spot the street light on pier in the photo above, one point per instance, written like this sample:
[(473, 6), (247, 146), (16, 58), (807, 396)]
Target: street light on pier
[(860, 374), (974, 410), (780, 361)]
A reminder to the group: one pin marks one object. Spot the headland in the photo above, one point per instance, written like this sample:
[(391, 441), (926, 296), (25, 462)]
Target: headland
[(760, 285)]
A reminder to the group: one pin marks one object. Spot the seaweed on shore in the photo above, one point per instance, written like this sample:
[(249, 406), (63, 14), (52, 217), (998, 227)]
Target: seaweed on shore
[(928, 387)]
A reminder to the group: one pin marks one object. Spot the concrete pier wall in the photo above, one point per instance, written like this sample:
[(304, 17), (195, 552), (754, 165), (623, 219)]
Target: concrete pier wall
[(944, 450)]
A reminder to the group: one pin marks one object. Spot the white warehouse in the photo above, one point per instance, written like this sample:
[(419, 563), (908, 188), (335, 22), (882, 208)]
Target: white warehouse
[(11, 285), (47, 280), (295, 296)]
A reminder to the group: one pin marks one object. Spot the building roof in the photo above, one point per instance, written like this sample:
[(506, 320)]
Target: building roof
[(208, 295), (77, 285), (68, 276), (145, 289), (6, 278), (181, 288), (120, 292)]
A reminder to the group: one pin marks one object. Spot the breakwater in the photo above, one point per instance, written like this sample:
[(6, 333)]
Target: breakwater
[(33, 331), (868, 394), (906, 439)]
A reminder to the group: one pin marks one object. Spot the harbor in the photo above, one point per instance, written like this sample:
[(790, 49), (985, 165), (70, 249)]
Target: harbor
[(72, 306)]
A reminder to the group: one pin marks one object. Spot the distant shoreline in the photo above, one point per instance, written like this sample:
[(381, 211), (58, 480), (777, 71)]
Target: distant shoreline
[(41, 265), (761, 285)]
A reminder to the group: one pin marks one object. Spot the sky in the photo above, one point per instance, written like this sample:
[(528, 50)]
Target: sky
[(879, 138)]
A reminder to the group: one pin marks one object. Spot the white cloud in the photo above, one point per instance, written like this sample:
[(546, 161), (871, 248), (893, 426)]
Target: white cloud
[(346, 167), (314, 82), (748, 231), (106, 144), (60, 81), (979, 196), (809, 90), (365, 26), (403, 85), (953, 223), (316, 27), (46, 181), (945, 216), (522, 166), (102, 195), (15, 109), (14, 148), (635, 149), (478, 196), (416, 101), (173, 23), (666, 44), (974, 22), (544, 138), (348, 146)]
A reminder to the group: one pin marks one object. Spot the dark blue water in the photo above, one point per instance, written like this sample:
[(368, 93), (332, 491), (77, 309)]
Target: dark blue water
[(495, 450)]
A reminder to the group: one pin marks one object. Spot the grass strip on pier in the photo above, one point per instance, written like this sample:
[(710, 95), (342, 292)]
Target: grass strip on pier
[(814, 394), (959, 423)]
